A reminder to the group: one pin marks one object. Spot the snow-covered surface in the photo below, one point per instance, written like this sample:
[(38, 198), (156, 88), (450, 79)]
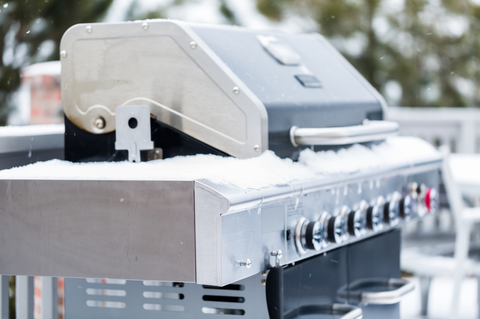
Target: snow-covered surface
[(254, 173), (440, 299), (46, 68), (31, 130), (465, 168)]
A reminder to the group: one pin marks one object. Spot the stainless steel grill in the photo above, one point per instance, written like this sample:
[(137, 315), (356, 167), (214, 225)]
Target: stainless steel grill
[(195, 247)]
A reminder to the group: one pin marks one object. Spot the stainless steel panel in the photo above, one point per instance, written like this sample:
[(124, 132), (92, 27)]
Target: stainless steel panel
[(167, 67), (243, 226), (191, 231), (209, 207), (29, 143), (119, 229), (126, 299)]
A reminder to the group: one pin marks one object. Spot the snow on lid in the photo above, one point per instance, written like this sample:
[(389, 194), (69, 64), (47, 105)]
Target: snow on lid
[(45, 68), (254, 173), (32, 130)]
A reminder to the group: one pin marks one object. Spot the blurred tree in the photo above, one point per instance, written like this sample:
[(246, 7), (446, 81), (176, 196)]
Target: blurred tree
[(31, 31), (415, 52)]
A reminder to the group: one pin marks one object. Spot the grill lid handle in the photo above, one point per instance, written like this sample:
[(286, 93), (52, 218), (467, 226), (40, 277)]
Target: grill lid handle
[(367, 132)]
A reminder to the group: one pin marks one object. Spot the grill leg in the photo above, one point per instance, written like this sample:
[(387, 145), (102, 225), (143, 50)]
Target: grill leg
[(424, 293)]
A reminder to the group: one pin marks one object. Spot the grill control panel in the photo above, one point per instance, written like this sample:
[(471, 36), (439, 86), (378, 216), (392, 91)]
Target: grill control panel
[(306, 221), (314, 235), (332, 217)]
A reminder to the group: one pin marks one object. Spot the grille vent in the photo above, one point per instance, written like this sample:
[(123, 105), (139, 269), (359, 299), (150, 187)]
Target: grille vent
[(102, 298)]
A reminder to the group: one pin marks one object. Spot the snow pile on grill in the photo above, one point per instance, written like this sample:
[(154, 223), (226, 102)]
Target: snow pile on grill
[(258, 172), (32, 130)]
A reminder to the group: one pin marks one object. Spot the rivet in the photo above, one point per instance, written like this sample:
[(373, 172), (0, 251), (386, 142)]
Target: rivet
[(193, 45), (236, 90), (256, 148), (263, 282), (88, 28), (100, 123), (63, 54), (145, 26), (247, 263)]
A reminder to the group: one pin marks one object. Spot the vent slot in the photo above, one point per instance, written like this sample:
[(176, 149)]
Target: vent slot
[(158, 307), (163, 284), (227, 287), (106, 281), (162, 295), (105, 304), (224, 299), (106, 292), (223, 311)]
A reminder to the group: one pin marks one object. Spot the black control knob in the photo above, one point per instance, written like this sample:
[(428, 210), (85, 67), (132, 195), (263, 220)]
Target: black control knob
[(356, 223), (374, 218), (314, 235), (407, 207), (390, 212), (308, 235), (336, 229)]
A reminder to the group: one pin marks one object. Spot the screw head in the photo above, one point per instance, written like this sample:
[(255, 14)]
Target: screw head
[(248, 264), (279, 254), (193, 45), (88, 28), (63, 54), (256, 148), (145, 26), (100, 123), (236, 90), (263, 282)]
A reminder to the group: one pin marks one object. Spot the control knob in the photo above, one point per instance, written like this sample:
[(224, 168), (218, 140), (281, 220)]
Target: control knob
[(335, 228), (431, 200), (308, 235), (355, 220), (391, 210), (407, 207), (375, 215)]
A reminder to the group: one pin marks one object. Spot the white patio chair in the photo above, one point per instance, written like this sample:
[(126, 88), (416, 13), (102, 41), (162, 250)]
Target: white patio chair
[(427, 266)]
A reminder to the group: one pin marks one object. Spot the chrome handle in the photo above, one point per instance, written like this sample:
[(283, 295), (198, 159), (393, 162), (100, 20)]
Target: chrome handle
[(391, 296), (345, 310), (367, 132), (351, 312)]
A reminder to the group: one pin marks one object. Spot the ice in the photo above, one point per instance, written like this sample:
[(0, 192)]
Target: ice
[(254, 173)]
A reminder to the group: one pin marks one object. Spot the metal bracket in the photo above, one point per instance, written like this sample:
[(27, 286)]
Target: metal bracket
[(133, 130)]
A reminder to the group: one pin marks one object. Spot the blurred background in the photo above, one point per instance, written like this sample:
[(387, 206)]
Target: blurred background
[(421, 55), (417, 53)]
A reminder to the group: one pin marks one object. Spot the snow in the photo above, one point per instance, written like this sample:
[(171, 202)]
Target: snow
[(32, 130), (52, 68), (465, 168), (254, 173)]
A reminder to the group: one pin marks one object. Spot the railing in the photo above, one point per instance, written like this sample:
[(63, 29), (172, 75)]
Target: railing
[(459, 128)]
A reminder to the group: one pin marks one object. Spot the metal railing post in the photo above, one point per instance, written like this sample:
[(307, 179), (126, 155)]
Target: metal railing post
[(24, 297)]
